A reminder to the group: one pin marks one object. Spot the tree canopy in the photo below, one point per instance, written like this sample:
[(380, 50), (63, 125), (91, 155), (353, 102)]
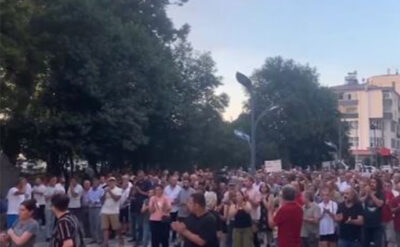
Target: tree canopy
[(114, 82)]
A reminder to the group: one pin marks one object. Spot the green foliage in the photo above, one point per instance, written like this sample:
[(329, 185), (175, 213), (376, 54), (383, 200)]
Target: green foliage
[(307, 118)]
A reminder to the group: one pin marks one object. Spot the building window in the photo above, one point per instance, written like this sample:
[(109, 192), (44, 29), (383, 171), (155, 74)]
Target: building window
[(386, 95), (376, 142), (349, 96), (375, 124), (353, 124), (340, 95), (393, 126), (353, 141), (393, 143)]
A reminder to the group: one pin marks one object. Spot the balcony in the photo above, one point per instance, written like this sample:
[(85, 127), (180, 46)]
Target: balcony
[(348, 102)]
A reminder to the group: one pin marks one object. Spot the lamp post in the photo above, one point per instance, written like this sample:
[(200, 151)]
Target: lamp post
[(246, 82)]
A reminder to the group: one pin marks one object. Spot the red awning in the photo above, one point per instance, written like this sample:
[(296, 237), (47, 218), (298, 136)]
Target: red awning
[(384, 151)]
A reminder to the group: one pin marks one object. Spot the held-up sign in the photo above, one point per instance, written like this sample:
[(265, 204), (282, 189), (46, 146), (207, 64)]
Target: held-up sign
[(273, 165)]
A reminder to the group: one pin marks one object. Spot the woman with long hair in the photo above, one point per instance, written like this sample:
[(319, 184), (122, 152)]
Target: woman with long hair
[(242, 224), (265, 230), (373, 200), (159, 207), (24, 231)]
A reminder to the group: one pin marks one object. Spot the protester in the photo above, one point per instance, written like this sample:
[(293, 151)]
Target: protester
[(395, 206), (51, 190), (311, 218), (350, 218), (172, 191), (146, 219), (38, 191), (199, 228), (74, 193), (240, 210), (138, 194), (15, 196), (373, 199), (95, 195), (25, 229), (160, 208), (327, 226), (288, 218), (67, 232), (110, 211)]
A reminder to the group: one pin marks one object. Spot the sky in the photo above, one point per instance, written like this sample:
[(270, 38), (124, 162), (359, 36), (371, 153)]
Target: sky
[(334, 36)]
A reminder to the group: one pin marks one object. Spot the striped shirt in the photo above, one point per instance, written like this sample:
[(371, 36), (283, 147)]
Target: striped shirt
[(67, 227)]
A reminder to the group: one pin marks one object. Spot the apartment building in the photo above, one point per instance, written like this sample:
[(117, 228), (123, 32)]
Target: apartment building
[(372, 110)]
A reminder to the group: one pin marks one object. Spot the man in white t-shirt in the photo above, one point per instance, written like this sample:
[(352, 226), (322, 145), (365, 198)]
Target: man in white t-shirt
[(172, 191), (110, 211), (75, 192), (38, 191), (15, 196)]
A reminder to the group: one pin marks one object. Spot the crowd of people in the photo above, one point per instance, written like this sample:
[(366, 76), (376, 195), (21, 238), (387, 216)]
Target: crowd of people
[(204, 208)]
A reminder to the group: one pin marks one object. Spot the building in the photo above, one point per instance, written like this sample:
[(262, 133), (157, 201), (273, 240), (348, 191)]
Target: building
[(372, 111)]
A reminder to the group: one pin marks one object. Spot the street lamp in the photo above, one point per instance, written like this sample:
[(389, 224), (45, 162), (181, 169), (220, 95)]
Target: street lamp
[(246, 82)]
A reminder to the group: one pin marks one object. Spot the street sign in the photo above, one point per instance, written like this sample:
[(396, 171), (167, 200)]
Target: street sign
[(273, 165)]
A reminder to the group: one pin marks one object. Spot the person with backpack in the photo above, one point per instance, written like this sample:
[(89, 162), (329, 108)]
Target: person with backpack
[(67, 232)]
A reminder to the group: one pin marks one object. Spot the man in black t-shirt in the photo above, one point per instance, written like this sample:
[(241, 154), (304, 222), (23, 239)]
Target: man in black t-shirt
[(139, 193), (350, 218), (200, 228)]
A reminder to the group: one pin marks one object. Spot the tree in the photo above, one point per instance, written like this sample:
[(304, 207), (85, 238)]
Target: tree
[(307, 118)]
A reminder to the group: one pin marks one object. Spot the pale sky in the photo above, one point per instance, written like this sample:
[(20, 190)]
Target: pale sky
[(335, 36)]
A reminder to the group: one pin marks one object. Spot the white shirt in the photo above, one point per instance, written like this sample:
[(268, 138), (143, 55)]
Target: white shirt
[(14, 201), (28, 191), (39, 197), (172, 193), (395, 193), (60, 188), (75, 202), (344, 186), (125, 195), (50, 191), (327, 224), (110, 205)]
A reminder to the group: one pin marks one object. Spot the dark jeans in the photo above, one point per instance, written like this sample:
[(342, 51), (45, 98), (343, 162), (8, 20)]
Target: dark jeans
[(159, 233), (346, 243), (39, 215), (174, 217), (373, 235), (137, 226)]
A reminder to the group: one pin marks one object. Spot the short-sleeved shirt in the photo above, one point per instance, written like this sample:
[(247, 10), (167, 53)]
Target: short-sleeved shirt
[(327, 223), (373, 213), (67, 227), (14, 201), (313, 211), (136, 201), (183, 198), (110, 205), (350, 232), (205, 227), (20, 228), (289, 219), (75, 202), (39, 197)]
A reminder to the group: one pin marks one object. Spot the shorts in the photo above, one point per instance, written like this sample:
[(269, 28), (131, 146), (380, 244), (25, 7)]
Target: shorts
[(390, 234), (11, 219), (110, 220), (124, 215), (332, 238)]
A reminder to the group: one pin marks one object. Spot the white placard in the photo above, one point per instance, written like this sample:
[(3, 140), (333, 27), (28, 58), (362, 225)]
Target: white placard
[(273, 165)]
